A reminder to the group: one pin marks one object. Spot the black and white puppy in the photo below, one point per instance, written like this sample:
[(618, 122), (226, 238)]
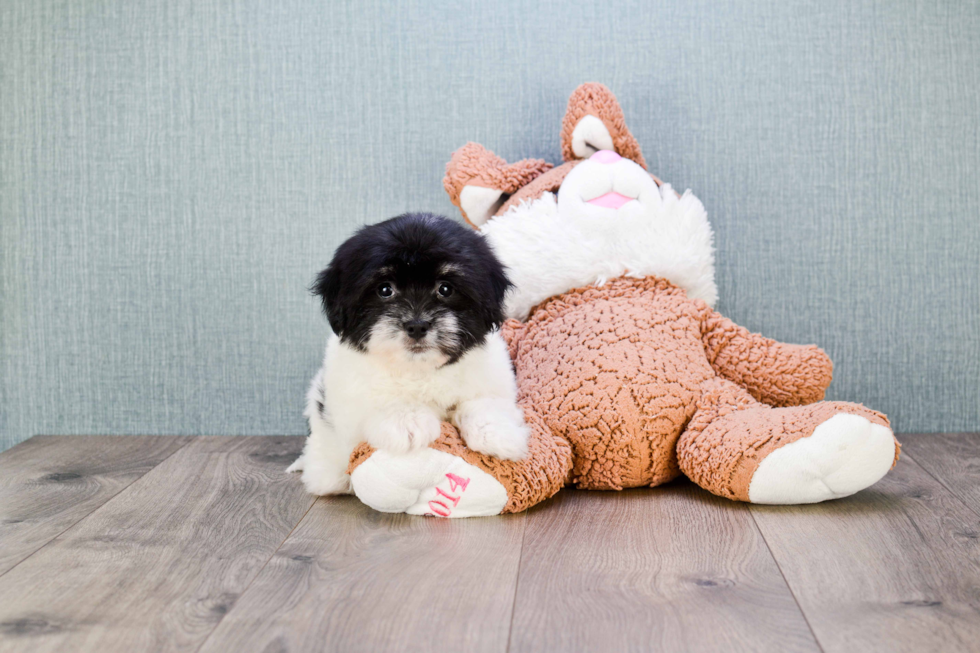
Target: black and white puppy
[(415, 304)]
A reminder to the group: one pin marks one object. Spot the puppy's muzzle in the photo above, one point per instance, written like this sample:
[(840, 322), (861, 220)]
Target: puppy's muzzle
[(417, 329)]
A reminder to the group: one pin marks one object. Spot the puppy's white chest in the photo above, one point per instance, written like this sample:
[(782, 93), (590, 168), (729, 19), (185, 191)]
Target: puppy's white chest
[(356, 378), (431, 387)]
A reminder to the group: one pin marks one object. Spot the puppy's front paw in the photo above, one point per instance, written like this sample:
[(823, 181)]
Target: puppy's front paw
[(402, 432), (496, 434)]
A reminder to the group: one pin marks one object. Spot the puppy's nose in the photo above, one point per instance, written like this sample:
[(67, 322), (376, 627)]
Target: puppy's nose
[(416, 329), (605, 156)]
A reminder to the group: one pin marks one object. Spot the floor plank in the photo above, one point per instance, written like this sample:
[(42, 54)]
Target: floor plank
[(893, 568), (175, 543), (49, 483), (953, 459), (351, 579), (667, 569), (160, 564)]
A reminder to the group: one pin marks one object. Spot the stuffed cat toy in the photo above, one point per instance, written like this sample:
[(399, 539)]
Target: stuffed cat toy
[(626, 375)]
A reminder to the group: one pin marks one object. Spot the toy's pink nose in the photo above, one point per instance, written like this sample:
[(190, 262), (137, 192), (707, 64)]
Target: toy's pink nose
[(605, 156)]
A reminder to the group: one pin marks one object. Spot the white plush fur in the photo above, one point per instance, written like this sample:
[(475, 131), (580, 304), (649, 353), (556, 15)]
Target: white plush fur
[(395, 401), (551, 245), (844, 455)]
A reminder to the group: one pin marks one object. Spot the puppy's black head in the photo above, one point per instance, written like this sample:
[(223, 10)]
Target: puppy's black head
[(414, 284)]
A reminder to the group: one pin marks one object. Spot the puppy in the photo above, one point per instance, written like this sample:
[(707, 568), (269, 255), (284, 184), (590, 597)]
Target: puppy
[(415, 304)]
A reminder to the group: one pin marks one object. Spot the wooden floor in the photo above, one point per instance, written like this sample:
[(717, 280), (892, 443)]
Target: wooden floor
[(205, 544)]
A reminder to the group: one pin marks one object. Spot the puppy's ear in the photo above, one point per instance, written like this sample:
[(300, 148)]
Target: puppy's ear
[(594, 121), (498, 284), (327, 287)]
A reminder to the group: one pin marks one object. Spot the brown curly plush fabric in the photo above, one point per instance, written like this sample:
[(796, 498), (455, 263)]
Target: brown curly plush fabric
[(796, 374), (620, 370), (596, 100), (645, 383), (615, 371), (475, 165)]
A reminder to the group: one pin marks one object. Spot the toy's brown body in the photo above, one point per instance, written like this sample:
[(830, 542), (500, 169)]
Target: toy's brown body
[(645, 383)]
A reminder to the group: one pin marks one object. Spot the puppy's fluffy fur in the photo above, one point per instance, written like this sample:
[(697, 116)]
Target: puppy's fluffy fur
[(415, 304)]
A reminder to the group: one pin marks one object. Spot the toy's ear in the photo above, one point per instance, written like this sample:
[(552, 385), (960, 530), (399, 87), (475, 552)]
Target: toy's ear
[(479, 182), (594, 121)]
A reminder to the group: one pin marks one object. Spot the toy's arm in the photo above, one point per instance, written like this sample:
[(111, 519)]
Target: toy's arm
[(773, 372)]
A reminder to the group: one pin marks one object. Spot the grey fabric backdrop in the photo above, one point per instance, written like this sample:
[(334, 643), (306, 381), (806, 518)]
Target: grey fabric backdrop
[(174, 172)]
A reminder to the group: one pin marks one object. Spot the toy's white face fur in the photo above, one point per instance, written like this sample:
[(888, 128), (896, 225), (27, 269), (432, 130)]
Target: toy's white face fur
[(606, 187), (610, 219)]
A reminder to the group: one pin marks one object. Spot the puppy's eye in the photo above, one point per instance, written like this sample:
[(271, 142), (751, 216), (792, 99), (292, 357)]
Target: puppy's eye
[(385, 290), (444, 289)]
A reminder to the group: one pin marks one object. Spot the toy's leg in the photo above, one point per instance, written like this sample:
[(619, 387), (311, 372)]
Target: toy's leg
[(738, 448), (449, 480)]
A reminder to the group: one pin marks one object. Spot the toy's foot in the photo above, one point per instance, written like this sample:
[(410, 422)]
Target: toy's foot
[(738, 448), (843, 455), (447, 479), (427, 482)]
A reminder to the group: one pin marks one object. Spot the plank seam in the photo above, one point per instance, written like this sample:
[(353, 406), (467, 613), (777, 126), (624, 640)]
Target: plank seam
[(789, 587), (517, 583), (953, 493), (259, 572), (101, 505)]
